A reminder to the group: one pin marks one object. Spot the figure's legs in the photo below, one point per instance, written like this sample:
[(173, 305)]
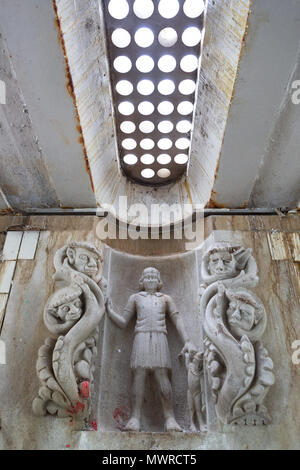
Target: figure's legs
[(192, 411), (137, 397), (197, 402), (161, 376)]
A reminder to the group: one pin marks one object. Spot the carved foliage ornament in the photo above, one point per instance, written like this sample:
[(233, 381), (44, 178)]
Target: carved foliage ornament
[(239, 368), (72, 314)]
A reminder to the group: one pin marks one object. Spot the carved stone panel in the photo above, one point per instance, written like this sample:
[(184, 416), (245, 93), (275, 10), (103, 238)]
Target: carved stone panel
[(238, 367), (72, 314)]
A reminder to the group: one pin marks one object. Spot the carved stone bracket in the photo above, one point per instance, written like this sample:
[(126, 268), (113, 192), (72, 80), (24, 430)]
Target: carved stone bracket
[(72, 314), (239, 369)]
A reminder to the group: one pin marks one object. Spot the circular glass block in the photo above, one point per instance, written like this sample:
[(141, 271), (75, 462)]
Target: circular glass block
[(144, 64), (189, 63), (129, 144), (167, 37), (184, 126), (164, 144), (127, 127), (165, 127), (145, 108), (187, 87), (181, 159), (145, 87), (193, 8), (126, 108), (121, 37), (164, 173), (147, 173), (144, 37), (165, 108), (130, 159), (122, 64), (124, 87), (146, 127), (185, 107), (191, 36), (164, 159), (166, 87), (143, 8), (168, 8), (167, 63), (182, 143), (118, 9), (147, 159), (147, 144)]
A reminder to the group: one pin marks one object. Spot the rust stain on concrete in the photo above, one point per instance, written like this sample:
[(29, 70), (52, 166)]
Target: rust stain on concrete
[(212, 204), (70, 89)]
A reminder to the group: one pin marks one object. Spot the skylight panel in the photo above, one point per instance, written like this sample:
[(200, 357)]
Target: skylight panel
[(154, 49)]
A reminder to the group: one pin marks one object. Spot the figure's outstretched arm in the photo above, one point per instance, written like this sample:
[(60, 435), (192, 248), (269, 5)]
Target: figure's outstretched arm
[(188, 344), (120, 321)]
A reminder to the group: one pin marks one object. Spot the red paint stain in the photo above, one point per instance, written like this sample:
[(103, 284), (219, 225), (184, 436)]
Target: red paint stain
[(74, 410), (94, 425), (85, 389), (121, 417)]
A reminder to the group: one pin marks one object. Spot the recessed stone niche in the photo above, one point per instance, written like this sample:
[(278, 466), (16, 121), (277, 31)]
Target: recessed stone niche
[(156, 344)]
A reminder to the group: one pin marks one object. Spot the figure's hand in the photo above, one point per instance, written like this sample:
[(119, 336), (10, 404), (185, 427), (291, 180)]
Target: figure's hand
[(189, 348), (109, 304)]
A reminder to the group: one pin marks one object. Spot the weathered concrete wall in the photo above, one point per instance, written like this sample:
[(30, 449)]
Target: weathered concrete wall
[(263, 122), (23, 333), (42, 162)]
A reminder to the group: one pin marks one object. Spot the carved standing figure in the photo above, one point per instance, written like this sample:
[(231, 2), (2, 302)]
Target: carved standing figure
[(150, 351), (194, 367)]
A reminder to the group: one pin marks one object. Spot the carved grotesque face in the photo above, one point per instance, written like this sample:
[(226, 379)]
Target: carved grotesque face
[(222, 263), (70, 311), (151, 280), (83, 261), (241, 314)]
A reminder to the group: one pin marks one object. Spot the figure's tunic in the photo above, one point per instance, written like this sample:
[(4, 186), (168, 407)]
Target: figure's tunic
[(150, 348)]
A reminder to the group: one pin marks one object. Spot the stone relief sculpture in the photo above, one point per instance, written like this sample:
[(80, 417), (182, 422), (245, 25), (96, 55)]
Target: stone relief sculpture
[(150, 351), (72, 314), (239, 369), (195, 399)]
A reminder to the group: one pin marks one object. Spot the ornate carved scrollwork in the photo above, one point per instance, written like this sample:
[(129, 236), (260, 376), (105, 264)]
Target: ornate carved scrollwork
[(239, 368), (72, 314)]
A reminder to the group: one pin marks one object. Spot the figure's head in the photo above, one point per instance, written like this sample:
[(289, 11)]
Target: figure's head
[(244, 311), (66, 304), (84, 257), (221, 262), (150, 280)]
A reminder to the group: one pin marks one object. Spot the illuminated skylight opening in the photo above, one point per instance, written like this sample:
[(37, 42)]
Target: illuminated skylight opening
[(154, 49)]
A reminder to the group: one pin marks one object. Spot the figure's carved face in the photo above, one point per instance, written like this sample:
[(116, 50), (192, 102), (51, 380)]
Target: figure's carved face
[(241, 314), (83, 261), (222, 263), (150, 280), (70, 311)]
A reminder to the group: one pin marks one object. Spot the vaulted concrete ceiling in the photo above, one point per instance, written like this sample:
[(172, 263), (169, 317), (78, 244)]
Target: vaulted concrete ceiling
[(57, 144)]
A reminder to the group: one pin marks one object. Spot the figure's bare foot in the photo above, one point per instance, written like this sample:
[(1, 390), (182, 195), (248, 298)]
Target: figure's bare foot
[(193, 428), (172, 425), (133, 425)]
